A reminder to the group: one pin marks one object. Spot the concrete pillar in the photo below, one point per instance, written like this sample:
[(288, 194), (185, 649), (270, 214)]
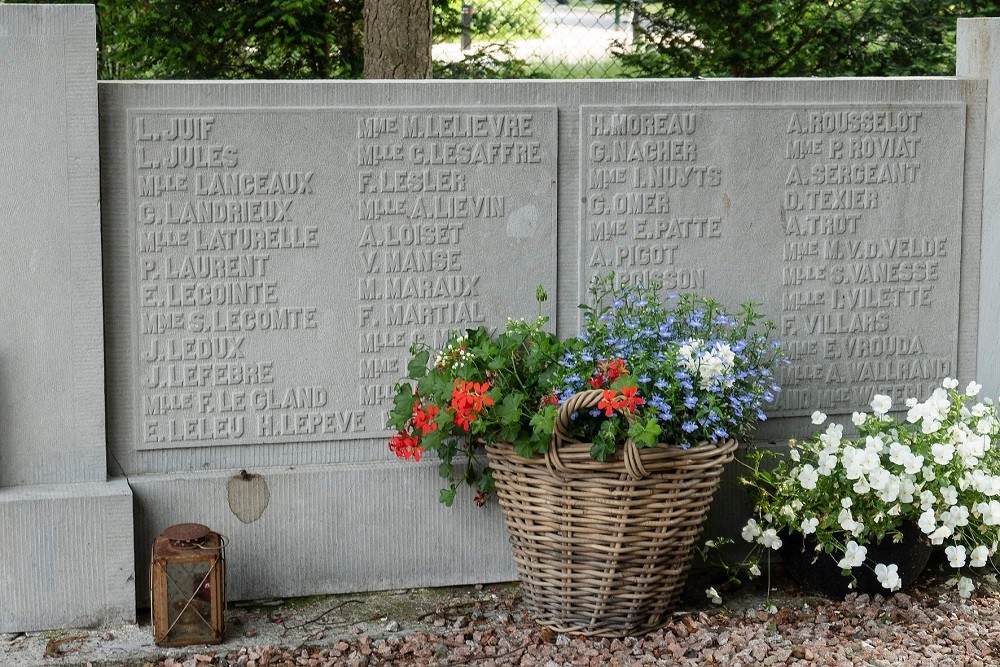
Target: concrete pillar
[(978, 57), (67, 555)]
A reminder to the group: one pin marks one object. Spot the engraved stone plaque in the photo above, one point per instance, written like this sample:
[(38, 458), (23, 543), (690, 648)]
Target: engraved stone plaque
[(844, 221), (286, 259)]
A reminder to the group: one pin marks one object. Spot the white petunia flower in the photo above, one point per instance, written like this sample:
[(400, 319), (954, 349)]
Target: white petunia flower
[(927, 522), (846, 520), (990, 512), (818, 418), (956, 517), (826, 462), (881, 404), (832, 436), (794, 455), (754, 570), (751, 531), (861, 487), (910, 402), (950, 383), (956, 556), (940, 535), (713, 595), (859, 418), (899, 454), (965, 587), (973, 388), (808, 477), (769, 538), (809, 525), (854, 556), (927, 499), (888, 576), (978, 556), (906, 489)]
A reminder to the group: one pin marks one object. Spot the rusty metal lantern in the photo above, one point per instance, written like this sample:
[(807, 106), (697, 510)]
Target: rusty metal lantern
[(187, 586)]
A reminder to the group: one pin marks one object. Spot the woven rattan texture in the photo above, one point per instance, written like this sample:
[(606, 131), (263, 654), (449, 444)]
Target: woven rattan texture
[(603, 548)]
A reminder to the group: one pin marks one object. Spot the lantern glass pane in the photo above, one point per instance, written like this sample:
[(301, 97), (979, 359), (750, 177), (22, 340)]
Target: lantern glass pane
[(189, 613)]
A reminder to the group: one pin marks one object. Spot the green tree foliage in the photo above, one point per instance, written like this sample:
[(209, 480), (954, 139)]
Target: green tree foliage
[(765, 38), (229, 39)]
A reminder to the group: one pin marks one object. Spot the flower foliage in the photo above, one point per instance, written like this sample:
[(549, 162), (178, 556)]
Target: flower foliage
[(939, 468), (480, 387), (681, 371)]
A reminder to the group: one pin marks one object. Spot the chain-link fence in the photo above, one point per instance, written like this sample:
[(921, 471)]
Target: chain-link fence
[(569, 39)]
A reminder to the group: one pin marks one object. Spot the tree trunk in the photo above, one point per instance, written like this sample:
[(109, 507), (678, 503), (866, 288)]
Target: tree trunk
[(397, 39)]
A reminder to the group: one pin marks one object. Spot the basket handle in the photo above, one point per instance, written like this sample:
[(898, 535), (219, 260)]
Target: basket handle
[(585, 400)]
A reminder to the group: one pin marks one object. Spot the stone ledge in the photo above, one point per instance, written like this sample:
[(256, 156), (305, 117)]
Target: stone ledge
[(68, 556), (325, 529)]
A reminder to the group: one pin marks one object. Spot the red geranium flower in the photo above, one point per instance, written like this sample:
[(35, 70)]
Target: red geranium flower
[(406, 446), (626, 401), (631, 400), (609, 403), (467, 401), (423, 419)]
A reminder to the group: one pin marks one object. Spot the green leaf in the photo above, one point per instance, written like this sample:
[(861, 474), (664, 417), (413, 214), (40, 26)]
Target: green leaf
[(433, 441), (645, 433), (447, 496), (604, 441), (417, 368), (543, 422), (526, 446), (510, 408), (486, 482), (402, 406)]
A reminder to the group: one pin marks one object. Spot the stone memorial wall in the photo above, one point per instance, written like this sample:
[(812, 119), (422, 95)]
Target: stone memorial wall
[(67, 556), (272, 249), (854, 251), (276, 285)]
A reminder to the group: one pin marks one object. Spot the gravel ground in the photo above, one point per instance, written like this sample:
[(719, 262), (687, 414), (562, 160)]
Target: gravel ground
[(488, 626)]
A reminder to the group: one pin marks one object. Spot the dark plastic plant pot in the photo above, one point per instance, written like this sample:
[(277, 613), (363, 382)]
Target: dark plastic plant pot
[(824, 576)]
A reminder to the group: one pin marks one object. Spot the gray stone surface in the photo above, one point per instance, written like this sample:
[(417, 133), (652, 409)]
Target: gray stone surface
[(52, 351), (343, 503), (843, 221), (330, 529), (744, 132), (67, 559), (278, 263), (978, 56)]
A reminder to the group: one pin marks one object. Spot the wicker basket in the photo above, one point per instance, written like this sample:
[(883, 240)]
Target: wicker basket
[(603, 549)]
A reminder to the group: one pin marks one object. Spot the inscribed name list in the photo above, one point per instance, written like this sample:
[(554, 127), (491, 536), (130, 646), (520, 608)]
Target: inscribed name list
[(844, 221), (287, 259)]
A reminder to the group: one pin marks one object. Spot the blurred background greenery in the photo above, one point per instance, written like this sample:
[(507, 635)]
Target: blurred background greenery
[(320, 39)]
